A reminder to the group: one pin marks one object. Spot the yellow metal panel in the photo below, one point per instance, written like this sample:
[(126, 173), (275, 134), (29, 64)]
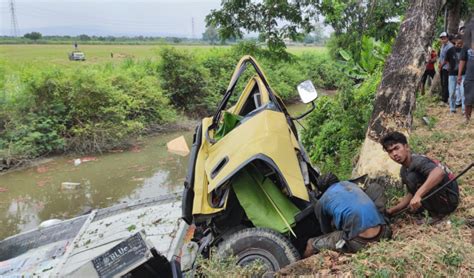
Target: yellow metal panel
[(266, 133), (200, 202)]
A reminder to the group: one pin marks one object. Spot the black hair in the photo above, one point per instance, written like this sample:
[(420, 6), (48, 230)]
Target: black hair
[(393, 138), (325, 181)]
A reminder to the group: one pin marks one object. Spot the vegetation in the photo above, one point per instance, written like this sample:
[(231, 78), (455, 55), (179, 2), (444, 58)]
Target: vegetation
[(49, 109), (337, 127)]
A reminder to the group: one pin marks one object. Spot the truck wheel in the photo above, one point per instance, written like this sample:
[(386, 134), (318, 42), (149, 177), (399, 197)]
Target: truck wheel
[(268, 246)]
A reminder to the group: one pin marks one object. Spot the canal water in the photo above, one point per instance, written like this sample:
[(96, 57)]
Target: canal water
[(31, 196)]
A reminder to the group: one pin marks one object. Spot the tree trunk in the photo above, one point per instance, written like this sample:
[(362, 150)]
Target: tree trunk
[(454, 16), (435, 89), (395, 98)]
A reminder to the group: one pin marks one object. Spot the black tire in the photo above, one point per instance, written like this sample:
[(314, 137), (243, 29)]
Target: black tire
[(251, 244)]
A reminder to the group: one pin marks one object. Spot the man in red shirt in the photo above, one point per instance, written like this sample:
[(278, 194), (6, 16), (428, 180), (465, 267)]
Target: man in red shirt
[(429, 70)]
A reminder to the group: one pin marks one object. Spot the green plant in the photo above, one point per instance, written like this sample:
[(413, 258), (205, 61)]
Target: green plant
[(227, 267)]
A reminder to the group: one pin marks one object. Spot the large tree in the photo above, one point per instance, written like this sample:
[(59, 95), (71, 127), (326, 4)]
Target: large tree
[(276, 20), (395, 98)]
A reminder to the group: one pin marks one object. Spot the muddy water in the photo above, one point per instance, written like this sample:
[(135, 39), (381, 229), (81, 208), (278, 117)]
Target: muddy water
[(33, 195)]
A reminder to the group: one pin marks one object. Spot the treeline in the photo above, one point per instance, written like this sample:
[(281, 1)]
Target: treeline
[(37, 38), (50, 110)]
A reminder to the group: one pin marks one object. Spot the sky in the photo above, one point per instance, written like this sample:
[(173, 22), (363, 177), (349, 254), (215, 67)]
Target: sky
[(107, 17)]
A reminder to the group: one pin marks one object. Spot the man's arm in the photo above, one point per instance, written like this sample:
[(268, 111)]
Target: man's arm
[(435, 177), (401, 205), (462, 63), (323, 219)]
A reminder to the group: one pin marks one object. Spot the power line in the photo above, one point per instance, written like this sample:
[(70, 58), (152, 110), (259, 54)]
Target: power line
[(14, 22)]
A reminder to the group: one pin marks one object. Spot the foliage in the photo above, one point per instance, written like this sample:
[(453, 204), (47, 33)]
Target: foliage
[(277, 20), (337, 127), (33, 36), (372, 57), (210, 35), (184, 81), (82, 110), (227, 267)]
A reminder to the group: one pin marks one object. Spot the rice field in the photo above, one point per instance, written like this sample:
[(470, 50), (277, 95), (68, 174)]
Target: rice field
[(22, 54)]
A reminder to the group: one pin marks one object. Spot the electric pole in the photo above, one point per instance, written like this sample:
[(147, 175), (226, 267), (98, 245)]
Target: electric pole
[(192, 28), (14, 22)]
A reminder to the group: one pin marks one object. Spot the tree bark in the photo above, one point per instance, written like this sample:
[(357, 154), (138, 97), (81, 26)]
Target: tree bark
[(435, 89), (395, 98), (454, 16)]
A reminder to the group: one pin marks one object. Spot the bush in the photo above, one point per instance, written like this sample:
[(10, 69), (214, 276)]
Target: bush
[(82, 110), (337, 127), (184, 81)]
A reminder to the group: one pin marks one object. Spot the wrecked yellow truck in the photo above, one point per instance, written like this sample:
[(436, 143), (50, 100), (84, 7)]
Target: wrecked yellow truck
[(250, 183)]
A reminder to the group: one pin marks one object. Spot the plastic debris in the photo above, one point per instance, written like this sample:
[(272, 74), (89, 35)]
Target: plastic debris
[(178, 146), (70, 185)]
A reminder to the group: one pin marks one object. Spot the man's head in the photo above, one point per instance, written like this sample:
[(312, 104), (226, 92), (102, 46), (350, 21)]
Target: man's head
[(443, 37), (396, 145), (458, 43)]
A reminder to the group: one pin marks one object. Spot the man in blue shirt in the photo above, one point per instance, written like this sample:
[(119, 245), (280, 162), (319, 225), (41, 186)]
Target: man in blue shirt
[(348, 217)]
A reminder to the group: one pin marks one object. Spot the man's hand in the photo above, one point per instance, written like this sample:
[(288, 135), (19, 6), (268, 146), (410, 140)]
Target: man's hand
[(415, 203), (459, 80)]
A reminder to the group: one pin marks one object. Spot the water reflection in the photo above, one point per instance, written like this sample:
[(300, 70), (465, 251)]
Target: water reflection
[(35, 195)]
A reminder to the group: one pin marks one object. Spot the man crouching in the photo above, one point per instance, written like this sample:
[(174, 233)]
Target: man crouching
[(421, 175), (356, 219)]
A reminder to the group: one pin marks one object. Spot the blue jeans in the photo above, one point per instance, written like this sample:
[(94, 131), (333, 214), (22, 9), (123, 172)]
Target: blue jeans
[(455, 90)]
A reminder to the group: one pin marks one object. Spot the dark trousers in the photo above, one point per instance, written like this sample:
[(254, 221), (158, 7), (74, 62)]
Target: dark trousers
[(444, 85), (335, 241)]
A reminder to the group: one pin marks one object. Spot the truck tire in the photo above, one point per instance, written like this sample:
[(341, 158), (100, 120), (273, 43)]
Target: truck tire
[(252, 244)]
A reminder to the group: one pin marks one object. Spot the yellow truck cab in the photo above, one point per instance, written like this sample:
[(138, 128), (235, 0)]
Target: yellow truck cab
[(249, 183)]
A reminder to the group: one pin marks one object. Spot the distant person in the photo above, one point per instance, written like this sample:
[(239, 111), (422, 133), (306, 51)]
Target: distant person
[(75, 45), (467, 61), (429, 69), (453, 57), (421, 175), (354, 216), (443, 66), (111, 55)]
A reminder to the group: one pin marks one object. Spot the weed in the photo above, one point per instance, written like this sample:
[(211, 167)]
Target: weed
[(452, 258), (131, 228), (418, 144), (227, 267)]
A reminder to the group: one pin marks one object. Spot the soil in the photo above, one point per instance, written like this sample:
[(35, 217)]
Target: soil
[(441, 249)]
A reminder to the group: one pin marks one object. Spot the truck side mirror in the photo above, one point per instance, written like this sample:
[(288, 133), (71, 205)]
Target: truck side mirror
[(307, 91)]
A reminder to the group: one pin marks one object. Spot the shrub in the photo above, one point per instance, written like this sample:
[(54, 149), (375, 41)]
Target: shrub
[(184, 81), (84, 110)]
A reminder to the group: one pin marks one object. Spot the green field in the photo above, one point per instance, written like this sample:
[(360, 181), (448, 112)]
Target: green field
[(22, 54)]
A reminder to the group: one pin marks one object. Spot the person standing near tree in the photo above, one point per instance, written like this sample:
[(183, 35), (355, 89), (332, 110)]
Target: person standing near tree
[(467, 61), (453, 57), (429, 69), (443, 67)]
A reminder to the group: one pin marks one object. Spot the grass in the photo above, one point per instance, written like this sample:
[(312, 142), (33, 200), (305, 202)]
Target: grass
[(57, 54)]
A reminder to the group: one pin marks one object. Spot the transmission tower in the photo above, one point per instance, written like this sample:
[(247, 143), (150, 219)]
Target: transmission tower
[(192, 28), (14, 22)]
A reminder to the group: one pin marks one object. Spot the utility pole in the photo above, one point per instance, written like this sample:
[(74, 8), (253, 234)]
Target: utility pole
[(14, 22), (192, 28)]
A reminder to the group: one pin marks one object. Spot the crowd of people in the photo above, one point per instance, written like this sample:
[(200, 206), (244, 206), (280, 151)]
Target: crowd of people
[(456, 69)]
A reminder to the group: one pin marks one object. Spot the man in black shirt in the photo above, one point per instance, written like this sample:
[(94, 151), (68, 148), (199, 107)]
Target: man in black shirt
[(421, 175), (453, 57)]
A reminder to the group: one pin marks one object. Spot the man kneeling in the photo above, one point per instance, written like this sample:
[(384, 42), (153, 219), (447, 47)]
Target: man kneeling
[(356, 218)]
